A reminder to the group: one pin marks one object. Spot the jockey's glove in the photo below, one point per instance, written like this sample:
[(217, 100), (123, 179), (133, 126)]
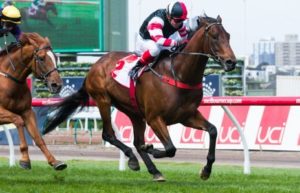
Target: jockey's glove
[(133, 73), (18, 43), (179, 43)]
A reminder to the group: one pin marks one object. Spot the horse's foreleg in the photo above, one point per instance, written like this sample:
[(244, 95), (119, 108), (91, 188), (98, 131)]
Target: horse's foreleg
[(139, 127), (108, 134), (31, 125), (199, 122), (161, 131), (9, 117)]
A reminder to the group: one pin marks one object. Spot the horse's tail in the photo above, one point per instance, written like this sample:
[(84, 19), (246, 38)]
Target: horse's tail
[(63, 110)]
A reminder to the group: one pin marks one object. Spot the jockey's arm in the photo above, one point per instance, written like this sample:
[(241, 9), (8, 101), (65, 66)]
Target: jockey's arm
[(154, 27), (183, 33), (16, 32)]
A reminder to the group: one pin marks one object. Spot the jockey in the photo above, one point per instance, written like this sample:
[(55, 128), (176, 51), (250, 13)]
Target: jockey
[(156, 32), (35, 5), (7, 2), (10, 18)]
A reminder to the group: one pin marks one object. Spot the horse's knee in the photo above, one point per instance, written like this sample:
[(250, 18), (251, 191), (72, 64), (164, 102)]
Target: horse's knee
[(213, 132), (19, 122), (170, 152)]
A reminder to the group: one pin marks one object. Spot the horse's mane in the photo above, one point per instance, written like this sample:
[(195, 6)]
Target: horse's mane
[(24, 39), (207, 18)]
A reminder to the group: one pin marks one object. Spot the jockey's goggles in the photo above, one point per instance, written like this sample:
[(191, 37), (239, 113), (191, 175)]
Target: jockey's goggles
[(178, 20)]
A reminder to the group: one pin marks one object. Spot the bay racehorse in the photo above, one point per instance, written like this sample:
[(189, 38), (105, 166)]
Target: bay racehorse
[(41, 14), (169, 93), (17, 62)]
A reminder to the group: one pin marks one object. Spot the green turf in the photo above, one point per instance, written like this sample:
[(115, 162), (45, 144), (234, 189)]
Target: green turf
[(100, 176)]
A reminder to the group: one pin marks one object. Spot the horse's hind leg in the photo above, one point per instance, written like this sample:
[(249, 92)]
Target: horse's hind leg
[(9, 117), (108, 133), (31, 125), (139, 127), (199, 122)]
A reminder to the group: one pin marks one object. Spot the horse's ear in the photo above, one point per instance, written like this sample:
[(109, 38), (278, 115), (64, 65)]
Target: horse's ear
[(47, 39), (219, 19), (32, 42), (202, 21)]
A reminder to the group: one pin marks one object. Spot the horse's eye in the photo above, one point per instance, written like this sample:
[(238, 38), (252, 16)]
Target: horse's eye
[(41, 59), (215, 37)]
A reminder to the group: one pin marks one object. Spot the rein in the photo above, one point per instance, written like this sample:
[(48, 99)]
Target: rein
[(10, 60)]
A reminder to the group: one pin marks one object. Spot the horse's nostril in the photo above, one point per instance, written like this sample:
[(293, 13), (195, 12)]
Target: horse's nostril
[(56, 87), (230, 62)]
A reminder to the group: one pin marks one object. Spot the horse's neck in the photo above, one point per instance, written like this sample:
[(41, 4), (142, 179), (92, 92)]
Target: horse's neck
[(16, 65), (190, 67)]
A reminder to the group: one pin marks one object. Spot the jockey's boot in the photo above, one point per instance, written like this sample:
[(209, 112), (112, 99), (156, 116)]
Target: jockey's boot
[(133, 73)]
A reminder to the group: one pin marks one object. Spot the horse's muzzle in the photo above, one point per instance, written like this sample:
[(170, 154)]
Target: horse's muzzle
[(229, 65), (54, 87)]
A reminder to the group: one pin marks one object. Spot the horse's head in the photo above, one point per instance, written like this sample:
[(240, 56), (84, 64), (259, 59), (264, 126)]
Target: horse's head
[(216, 41), (42, 61), (50, 6)]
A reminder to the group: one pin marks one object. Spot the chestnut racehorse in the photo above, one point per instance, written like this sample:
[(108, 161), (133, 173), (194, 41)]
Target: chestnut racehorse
[(17, 62), (160, 104)]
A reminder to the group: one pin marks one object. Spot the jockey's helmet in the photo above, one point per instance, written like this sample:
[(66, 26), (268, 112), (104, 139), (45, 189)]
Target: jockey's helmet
[(11, 14), (177, 10)]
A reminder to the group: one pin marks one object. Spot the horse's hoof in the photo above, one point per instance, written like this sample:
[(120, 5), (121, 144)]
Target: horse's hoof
[(133, 164), (158, 178), (204, 175), (25, 164), (59, 165)]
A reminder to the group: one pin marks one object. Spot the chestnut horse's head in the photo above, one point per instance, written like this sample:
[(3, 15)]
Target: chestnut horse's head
[(216, 41), (41, 60)]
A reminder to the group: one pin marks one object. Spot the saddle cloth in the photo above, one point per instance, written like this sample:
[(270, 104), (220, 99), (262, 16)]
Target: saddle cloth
[(124, 65)]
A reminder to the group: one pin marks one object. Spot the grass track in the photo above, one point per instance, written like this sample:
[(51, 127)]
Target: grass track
[(96, 176)]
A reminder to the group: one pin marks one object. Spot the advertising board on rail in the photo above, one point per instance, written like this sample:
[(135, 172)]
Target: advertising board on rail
[(265, 128)]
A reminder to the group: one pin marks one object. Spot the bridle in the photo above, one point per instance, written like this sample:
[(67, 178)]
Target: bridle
[(39, 61), (213, 56)]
